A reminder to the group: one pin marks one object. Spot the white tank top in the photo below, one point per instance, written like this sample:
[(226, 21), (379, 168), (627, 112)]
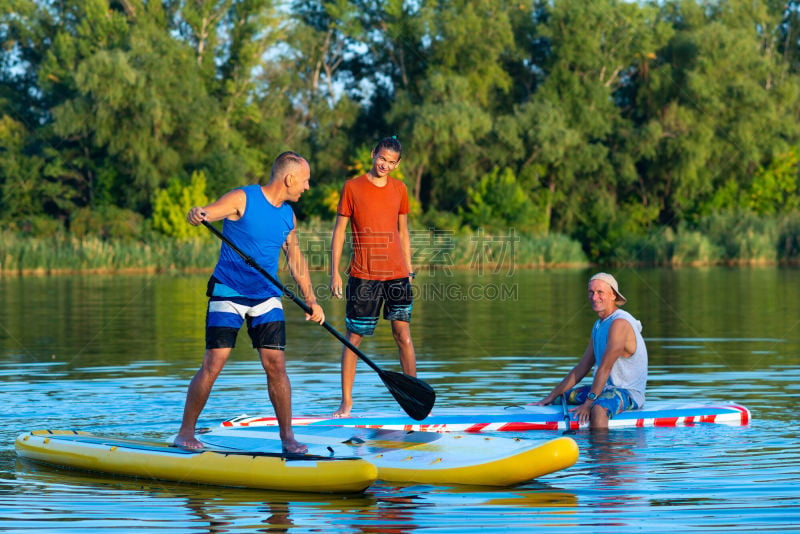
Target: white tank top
[(628, 373)]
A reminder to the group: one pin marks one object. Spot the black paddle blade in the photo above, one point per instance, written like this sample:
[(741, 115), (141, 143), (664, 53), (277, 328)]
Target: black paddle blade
[(412, 394)]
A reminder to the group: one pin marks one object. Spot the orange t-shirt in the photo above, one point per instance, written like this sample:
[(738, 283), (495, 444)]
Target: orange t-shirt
[(373, 213)]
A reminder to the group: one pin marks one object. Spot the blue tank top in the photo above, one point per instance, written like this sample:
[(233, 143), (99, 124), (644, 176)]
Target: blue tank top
[(627, 373), (260, 233)]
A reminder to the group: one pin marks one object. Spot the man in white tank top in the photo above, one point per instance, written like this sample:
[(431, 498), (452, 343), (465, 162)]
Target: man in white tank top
[(618, 354)]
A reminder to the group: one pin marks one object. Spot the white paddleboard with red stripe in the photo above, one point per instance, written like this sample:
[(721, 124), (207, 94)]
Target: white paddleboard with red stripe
[(522, 418)]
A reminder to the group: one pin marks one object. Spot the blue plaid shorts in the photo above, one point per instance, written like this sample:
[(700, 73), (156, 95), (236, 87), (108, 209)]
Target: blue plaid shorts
[(614, 400)]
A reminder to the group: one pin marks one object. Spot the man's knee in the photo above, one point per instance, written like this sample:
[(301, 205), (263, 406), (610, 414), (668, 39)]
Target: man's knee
[(401, 332), (403, 339), (272, 360), (214, 360)]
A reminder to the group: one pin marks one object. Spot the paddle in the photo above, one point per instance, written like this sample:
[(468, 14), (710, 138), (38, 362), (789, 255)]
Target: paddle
[(565, 411), (415, 396)]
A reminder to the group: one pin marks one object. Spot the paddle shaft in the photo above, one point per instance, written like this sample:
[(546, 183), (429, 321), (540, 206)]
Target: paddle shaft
[(565, 411), (293, 297)]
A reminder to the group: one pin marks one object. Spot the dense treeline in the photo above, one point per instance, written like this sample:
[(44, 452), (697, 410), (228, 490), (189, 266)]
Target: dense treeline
[(617, 124)]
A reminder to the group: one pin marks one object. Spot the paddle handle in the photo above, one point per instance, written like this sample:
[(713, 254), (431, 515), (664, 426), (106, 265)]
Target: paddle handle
[(292, 296)]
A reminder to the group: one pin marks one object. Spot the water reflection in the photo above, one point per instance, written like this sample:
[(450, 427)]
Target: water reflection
[(613, 456), (205, 508), (274, 515), (542, 498), (618, 468), (384, 508), (394, 512)]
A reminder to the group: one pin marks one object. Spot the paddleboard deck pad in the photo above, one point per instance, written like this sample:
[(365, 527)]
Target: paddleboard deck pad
[(523, 418), (412, 456), (267, 469)]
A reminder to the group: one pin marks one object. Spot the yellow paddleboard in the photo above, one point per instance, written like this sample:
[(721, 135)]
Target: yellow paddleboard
[(424, 457), (163, 461)]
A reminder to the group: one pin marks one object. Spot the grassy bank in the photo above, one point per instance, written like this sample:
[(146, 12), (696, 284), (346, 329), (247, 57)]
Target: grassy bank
[(716, 240), (719, 239), (63, 254)]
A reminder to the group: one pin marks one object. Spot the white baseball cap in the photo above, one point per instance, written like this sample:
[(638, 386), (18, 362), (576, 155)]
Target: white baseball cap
[(610, 280)]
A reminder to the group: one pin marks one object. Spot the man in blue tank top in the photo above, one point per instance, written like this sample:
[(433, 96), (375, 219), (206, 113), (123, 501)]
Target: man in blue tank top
[(260, 222), (618, 354)]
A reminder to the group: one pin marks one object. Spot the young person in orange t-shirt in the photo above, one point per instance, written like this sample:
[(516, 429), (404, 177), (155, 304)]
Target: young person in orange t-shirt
[(380, 272)]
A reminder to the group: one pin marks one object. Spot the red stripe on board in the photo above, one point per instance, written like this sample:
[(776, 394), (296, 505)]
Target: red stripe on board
[(640, 423), (745, 415), (708, 418), (689, 421), (665, 421), (518, 426), (255, 421), (477, 427)]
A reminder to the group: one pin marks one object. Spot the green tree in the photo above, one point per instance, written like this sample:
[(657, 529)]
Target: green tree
[(611, 116), (719, 105), (142, 102), (775, 189), (446, 111), (565, 137), (125, 95), (21, 189), (249, 86), (497, 202), (322, 113), (171, 204)]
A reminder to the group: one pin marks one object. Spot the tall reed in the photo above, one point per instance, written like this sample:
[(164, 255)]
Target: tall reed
[(721, 238)]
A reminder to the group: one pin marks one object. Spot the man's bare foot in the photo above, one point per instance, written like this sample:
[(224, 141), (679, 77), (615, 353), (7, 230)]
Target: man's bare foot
[(185, 442), (343, 411), (292, 446)]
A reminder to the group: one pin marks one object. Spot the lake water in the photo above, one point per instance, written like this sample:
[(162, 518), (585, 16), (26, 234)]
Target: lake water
[(114, 354)]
